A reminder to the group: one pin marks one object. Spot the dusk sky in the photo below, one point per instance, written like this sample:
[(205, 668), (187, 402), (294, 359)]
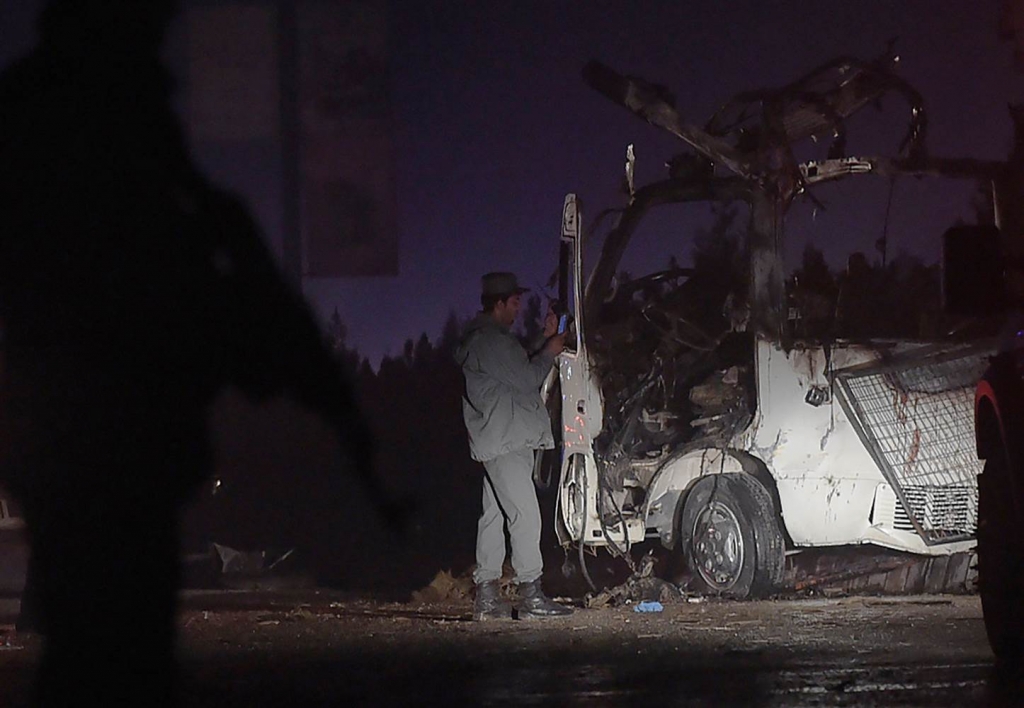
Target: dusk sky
[(493, 125)]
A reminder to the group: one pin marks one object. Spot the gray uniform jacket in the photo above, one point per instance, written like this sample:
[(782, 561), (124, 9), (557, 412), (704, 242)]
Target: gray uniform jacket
[(501, 403)]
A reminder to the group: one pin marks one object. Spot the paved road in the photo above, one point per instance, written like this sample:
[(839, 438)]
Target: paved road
[(314, 649)]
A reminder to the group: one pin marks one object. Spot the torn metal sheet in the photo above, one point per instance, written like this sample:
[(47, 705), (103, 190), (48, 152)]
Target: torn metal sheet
[(231, 560), (880, 572)]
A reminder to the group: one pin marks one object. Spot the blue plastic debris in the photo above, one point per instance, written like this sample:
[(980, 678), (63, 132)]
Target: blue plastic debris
[(650, 606)]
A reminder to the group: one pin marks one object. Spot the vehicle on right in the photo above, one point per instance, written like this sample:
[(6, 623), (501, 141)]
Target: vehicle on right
[(984, 278)]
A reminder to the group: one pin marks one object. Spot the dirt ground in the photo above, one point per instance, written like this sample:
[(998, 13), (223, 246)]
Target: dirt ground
[(311, 648)]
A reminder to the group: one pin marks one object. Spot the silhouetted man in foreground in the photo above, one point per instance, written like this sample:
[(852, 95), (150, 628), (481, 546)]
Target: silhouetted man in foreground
[(131, 293)]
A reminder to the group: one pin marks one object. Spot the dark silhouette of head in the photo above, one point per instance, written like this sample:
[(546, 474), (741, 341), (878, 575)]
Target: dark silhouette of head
[(105, 26)]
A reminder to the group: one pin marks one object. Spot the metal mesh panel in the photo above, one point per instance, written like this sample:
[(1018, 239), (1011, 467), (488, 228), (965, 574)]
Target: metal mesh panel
[(916, 416)]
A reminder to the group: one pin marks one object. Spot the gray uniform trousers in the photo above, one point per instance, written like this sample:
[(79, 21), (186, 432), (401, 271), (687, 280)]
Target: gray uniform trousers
[(509, 498)]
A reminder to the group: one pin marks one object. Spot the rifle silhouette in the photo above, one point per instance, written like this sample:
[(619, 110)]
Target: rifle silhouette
[(267, 342)]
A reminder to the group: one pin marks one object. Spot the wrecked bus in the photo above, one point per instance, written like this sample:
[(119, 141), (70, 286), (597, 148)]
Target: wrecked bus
[(739, 446), (734, 449)]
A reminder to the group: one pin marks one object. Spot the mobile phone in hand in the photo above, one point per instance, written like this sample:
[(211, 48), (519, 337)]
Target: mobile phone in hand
[(563, 322)]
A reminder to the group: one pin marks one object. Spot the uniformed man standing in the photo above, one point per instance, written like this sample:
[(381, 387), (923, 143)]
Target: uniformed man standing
[(507, 421)]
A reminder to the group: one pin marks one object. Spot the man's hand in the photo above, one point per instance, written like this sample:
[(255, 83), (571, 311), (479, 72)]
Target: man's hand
[(555, 344), (550, 324)]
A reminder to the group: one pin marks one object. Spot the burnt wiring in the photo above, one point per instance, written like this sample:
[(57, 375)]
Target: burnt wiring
[(625, 429), (605, 491), (583, 535), (616, 549), (583, 567)]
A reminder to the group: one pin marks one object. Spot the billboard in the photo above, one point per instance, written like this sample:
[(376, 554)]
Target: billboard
[(311, 78), (233, 73), (347, 159)]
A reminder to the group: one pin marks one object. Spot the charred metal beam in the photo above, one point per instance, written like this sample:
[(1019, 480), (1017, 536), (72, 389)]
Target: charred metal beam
[(807, 108), (848, 67), (654, 104), (867, 83), (767, 270)]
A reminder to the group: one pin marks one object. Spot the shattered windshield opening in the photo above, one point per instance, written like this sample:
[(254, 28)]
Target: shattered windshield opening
[(675, 361)]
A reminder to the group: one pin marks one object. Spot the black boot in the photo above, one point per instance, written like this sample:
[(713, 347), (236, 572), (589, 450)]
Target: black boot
[(489, 604), (534, 603)]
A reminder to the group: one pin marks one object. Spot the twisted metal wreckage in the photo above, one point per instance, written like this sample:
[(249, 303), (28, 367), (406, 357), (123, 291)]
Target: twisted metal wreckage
[(741, 446)]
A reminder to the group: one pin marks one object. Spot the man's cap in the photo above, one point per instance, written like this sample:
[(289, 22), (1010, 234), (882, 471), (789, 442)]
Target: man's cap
[(500, 285)]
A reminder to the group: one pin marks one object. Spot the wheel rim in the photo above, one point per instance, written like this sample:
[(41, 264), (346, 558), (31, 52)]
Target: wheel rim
[(717, 546)]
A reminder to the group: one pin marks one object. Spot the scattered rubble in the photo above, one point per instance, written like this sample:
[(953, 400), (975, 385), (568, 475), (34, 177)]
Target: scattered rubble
[(822, 572), (642, 586), (445, 587)]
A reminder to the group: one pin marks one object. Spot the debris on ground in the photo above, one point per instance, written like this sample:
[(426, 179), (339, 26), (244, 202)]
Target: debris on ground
[(231, 560), (226, 567), (444, 587), (649, 606), (640, 587)]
